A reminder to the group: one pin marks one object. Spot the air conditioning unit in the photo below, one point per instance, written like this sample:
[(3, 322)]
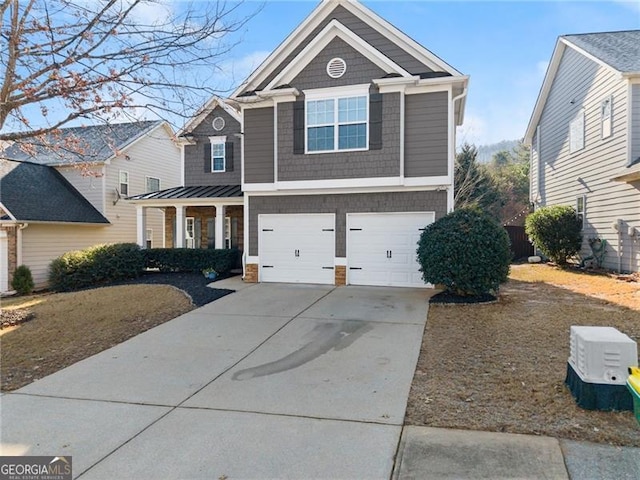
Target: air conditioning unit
[(602, 354)]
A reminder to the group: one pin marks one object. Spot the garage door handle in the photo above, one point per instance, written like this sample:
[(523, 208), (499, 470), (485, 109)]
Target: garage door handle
[(355, 229), (327, 229), (267, 229), (327, 268), (355, 268), (267, 266)]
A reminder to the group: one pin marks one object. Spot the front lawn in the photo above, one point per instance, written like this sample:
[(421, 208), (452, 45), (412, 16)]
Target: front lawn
[(67, 327), (501, 367)]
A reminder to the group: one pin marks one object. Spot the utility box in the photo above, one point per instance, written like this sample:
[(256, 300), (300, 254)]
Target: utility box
[(602, 354), (597, 369)]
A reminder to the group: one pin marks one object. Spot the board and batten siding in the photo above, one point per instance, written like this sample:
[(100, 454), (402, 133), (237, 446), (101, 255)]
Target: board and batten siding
[(581, 83), (426, 134)]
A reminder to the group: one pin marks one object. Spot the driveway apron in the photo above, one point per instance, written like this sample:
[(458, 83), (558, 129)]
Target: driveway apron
[(273, 381)]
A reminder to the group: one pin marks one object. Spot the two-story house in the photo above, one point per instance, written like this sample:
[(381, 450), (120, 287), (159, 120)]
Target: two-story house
[(68, 193), (584, 135), (333, 156)]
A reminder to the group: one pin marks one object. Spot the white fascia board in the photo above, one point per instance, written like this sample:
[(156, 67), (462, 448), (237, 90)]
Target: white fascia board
[(398, 37), (254, 101), (285, 48), (558, 51), (334, 29), (280, 95), (209, 107), (6, 210), (345, 91)]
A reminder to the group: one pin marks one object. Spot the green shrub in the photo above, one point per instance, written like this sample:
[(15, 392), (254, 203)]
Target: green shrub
[(190, 259), (556, 231), (466, 251), (22, 280), (95, 265)]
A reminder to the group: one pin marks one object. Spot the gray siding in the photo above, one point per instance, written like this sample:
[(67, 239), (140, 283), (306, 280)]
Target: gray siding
[(364, 31), (582, 83), (258, 144), (341, 205), (426, 134), (194, 171), (635, 123), (323, 166), (360, 70)]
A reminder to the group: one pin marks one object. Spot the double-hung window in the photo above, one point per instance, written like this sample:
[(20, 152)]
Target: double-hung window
[(338, 123), (218, 154), (606, 117), (123, 182), (581, 208), (153, 184)]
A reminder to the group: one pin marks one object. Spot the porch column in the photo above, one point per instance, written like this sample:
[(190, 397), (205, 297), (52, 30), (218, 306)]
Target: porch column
[(141, 226), (220, 212), (180, 226)]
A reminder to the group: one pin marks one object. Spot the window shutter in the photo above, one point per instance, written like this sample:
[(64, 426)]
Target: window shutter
[(211, 233), (207, 157), (197, 233), (298, 127), (228, 156), (234, 232), (375, 121)]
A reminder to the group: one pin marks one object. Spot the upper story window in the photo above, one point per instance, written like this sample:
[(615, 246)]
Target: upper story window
[(153, 184), (123, 182), (606, 117), (576, 132), (337, 123), (218, 154)]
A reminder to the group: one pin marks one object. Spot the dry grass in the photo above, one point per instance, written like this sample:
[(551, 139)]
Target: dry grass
[(501, 367), (68, 327)]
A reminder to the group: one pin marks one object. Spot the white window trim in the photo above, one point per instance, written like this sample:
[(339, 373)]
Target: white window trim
[(227, 232), (148, 237), (218, 141), (581, 213), (610, 118), (335, 94), (127, 183), (189, 241), (146, 181), (572, 149)]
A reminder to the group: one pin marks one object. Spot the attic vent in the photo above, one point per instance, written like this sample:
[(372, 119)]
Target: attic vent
[(336, 67), (218, 123)]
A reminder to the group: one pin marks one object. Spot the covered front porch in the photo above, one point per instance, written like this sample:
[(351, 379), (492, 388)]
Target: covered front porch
[(195, 217)]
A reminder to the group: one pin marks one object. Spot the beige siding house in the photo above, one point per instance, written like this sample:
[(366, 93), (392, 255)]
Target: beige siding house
[(585, 140), (78, 201)]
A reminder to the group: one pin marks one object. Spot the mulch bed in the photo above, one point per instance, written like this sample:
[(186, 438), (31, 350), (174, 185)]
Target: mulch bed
[(450, 298), (194, 284)]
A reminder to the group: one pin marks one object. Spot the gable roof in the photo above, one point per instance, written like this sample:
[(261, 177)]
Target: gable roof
[(209, 107), (292, 44), (37, 193), (618, 51), (98, 143)]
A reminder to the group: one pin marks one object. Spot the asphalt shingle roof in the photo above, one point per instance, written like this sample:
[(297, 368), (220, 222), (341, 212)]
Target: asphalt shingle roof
[(97, 143), (33, 192), (621, 50), (176, 193)]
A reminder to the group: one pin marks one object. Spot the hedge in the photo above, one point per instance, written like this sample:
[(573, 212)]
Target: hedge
[(109, 263), (190, 259), (556, 231)]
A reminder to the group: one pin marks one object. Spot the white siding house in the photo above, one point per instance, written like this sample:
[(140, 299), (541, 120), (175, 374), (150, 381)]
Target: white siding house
[(585, 140), (145, 151)]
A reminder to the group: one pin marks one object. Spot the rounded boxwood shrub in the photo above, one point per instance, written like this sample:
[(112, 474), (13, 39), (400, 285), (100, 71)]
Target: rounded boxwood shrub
[(467, 251), (556, 231), (22, 281)]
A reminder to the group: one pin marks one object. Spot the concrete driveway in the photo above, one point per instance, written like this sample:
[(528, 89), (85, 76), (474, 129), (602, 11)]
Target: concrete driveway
[(273, 381)]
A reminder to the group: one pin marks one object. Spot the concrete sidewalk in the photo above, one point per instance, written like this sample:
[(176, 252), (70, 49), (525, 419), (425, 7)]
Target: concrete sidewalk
[(274, 381)]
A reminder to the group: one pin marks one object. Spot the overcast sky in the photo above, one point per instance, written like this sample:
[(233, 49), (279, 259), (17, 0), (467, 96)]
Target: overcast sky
[(504, 46)]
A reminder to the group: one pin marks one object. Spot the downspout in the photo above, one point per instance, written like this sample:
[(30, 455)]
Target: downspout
[(21, 227), (452, 194)]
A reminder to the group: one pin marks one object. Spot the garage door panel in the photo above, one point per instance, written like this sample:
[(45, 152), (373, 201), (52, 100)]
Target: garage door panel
[(297, 248), (381, 248)]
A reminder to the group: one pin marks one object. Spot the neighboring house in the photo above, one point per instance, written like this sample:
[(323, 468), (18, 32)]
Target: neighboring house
[(585, 140), (56, 201), (331, 158)]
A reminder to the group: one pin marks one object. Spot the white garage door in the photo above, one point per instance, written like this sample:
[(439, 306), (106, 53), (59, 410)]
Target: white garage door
[(297, 248), (381, 248)]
